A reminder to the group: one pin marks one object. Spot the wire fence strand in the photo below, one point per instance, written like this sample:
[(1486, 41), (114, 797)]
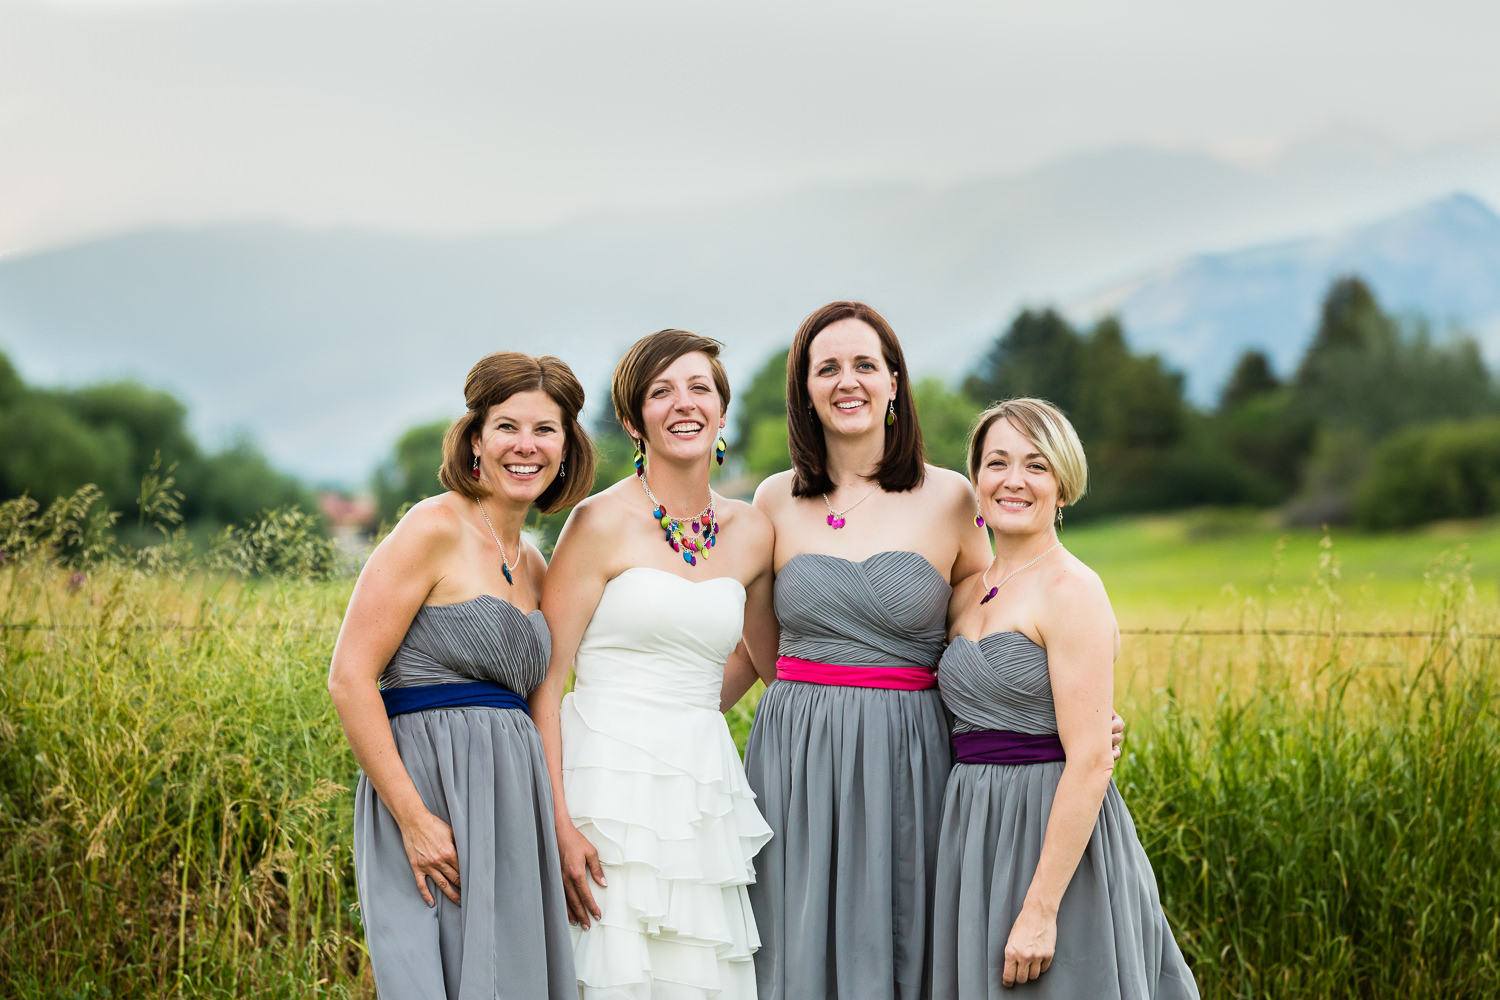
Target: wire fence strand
[(1294, 632)]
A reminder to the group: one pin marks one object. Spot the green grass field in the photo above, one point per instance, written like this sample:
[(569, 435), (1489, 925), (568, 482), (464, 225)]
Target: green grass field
[(1200, 568), (1322, 806)]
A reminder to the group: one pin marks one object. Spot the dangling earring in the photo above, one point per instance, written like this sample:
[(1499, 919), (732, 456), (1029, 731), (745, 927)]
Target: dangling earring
[(562, 469), (474, 469), (640, 459), (978, 517), (1059, 515), (720, 447), (890, 412)]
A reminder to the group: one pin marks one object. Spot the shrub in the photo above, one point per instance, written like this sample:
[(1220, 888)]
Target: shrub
[(1450, 469)]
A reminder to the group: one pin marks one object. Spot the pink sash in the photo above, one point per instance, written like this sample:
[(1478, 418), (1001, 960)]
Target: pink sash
[(790, 668)]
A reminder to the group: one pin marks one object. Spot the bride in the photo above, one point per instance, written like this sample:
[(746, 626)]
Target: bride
[(653, 583)]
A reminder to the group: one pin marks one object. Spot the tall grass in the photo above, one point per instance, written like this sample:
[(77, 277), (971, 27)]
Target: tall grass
[(174, 813), (1326, 822), (1323, 810)]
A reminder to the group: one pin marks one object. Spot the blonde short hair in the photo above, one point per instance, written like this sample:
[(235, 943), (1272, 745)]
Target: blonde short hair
[(1045, 426)]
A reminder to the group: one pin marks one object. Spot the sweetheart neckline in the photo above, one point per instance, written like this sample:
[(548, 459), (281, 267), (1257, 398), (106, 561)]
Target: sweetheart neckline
[(991, 635), (874, 555), (498, 600), (664, 572)]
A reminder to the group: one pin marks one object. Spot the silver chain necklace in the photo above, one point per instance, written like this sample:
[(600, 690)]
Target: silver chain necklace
[(691, 517), (836, 517), (992, 591), (505, 563)]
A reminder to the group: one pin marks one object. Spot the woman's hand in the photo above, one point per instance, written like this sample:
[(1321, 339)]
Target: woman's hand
[(1116, 733), (431, 852), (579, 860), (1033, 939)]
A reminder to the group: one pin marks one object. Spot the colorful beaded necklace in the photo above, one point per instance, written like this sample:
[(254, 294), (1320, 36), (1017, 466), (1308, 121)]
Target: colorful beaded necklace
[(705, 526)]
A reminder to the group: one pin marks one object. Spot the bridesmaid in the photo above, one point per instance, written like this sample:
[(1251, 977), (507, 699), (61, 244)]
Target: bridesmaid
[(454, 801), (849, 749), (1040, 877)]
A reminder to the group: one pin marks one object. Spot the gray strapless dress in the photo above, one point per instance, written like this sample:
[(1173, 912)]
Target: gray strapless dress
[(481, 771), (1112, 938), (851, 781)]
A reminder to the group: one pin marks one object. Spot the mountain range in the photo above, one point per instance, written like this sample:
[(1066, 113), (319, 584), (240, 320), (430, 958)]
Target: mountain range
[(324, 346), (1437, 264)]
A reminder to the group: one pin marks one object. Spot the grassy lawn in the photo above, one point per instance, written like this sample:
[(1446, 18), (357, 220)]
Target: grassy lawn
[(1199, 569)]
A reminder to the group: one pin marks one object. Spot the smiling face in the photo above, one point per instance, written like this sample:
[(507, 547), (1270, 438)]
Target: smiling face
[(520, 446), (682, 413), (848, 380), (1016, 485)]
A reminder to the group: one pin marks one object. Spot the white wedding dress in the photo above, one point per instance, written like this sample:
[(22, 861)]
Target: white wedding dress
[(653, 780)]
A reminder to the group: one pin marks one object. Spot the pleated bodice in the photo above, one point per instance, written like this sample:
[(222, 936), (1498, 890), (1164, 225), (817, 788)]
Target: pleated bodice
[(1000, 682), (885, 611), (485, 639)]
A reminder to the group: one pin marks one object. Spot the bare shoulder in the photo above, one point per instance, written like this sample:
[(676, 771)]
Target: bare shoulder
[(948, 488), (749, 522), (774, 492), (1073, 584), (536, 563), (432, 524), (598, 516)]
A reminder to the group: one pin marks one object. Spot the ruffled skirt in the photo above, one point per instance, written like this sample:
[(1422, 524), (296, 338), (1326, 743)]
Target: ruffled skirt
[(659, 790)]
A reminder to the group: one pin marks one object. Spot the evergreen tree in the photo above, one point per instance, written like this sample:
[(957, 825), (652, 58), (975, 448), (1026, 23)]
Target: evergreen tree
[(1252, 378), (1037, 356)]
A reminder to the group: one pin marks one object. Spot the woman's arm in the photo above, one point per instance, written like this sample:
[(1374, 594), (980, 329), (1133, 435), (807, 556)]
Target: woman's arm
[(1079, 633), (575, 582), (755, 657), (392, 586), (974, 552)]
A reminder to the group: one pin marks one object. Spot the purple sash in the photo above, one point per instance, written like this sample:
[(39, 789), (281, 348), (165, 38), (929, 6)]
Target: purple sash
[(994, 746)]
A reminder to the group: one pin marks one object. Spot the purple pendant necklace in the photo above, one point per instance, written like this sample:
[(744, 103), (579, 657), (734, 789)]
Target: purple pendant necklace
[(836, 517), (990, 592)]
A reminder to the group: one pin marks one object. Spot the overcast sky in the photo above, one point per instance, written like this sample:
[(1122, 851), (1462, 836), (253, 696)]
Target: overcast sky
[(431, 116)]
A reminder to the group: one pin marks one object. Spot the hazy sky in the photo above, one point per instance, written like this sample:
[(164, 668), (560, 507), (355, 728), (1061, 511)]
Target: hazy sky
[(434, 116)]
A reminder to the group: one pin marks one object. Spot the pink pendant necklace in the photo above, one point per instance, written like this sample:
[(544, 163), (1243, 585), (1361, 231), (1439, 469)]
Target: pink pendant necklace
[(990, 592), (836, 517)]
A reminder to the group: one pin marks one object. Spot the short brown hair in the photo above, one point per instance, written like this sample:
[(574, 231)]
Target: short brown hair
[(493, 380), (902, 467), (648, 358), (1048, 428)]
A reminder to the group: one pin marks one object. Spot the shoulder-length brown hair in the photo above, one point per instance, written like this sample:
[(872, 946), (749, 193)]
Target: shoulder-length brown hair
[(902, 467), (493, 380)]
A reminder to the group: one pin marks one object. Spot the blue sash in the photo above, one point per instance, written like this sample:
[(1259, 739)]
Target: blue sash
[(479, 694)]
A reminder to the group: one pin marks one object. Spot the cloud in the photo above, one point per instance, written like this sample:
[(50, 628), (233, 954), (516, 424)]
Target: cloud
[(447, 117)]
